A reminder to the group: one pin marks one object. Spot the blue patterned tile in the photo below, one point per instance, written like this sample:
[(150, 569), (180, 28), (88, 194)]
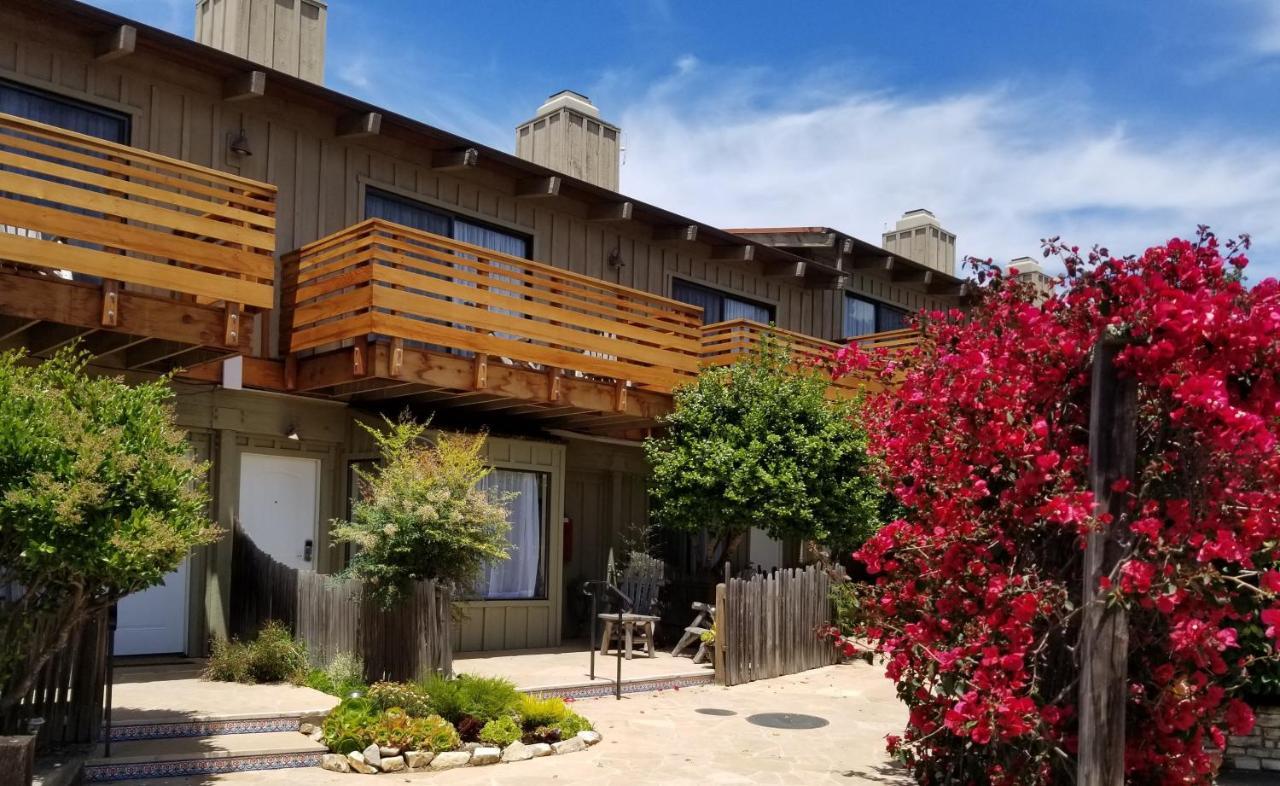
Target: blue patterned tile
[(102, 772)]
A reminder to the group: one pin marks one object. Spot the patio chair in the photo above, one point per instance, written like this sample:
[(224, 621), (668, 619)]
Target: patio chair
[(641, 582), (703, 622)]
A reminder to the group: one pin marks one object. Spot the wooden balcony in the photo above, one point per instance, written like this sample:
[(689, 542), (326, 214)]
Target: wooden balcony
[(153, 262), (381, 311), (728, 342)]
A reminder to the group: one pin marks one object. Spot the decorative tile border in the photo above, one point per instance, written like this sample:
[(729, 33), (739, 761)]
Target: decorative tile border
[(604, 689), (102, 772), (199, 728)]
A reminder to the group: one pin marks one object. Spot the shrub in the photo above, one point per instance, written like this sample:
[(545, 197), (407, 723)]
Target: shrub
[(435, 734), (543, 734), (410, 698), (421, 515), (274, 656), (981, 580), (351, 726), (99, 498), (482, 698), (343, 676), (501, 732), (535, 712), (398, 729), (758, 444), (571, 725)]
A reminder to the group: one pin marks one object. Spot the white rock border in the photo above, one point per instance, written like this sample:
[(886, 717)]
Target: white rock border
[(481, 756)]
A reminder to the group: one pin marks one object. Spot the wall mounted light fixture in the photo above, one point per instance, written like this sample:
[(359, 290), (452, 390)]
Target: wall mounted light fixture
[(239, 144), (292, 433)]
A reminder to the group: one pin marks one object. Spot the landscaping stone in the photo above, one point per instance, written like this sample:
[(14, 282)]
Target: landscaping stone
[(517, 751), (470, 747), (384, 751), (392, 764), (335, 762), (317, 734), (539, 749), (307, 728), (485, 755), (416, 760), (356, 761), (450, 760), (590, 737), (571, 745), (373, 755)]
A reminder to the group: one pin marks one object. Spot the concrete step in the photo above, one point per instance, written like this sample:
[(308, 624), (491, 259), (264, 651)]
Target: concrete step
[(206, 755), (208, 725)]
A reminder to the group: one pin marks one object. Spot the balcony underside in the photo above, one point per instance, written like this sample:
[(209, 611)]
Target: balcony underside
[(387, 374), (42, 313)]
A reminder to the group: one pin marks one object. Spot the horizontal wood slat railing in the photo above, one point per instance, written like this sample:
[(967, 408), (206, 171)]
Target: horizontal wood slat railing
[(899, 340), (388, 280), (728, 342), (95, 208)]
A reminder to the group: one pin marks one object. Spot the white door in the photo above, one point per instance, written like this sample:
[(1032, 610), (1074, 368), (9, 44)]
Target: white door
[(764, 551), (154, 621), (279, 508)]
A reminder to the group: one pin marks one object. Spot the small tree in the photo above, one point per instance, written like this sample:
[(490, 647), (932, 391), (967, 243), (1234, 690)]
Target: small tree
[(99, 497), (421, 514), (758, 444)]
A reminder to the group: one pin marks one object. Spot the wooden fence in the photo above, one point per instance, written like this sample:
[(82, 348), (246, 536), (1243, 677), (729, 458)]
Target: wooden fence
[(767, 626), (69, 691), (333, 616)]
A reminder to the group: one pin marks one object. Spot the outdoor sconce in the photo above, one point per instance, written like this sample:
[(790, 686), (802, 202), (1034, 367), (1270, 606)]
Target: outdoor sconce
[(615, 258), (292, 433), (240, 144)]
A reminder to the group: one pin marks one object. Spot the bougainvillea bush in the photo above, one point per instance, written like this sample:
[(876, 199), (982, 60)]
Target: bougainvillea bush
[(976, 605)]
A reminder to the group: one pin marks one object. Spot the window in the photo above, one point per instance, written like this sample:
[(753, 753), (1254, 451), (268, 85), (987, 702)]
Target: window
[(524, 575), (63, 112), (380, 204), (863, 316), (719, 306)]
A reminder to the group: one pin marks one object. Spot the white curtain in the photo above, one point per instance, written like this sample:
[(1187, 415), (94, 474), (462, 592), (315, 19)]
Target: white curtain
[(519, 576)]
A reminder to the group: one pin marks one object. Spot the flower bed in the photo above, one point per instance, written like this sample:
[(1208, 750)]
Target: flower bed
[(440, 724)]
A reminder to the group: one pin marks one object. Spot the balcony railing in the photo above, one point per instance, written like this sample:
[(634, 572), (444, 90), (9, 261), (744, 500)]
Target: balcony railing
[(728, 342), (88, 209), (389, 281)]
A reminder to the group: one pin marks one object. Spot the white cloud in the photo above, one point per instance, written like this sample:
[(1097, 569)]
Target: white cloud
[(1266, 26), (1000, 169)]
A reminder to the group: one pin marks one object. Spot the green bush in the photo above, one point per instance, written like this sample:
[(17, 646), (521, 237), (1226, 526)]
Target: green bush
[(501, 732), (350, 726), (535, 712), (343, 676), (408, 697), (422, 514), (571, 725), (482, 698), (274, 656), (355, 724)]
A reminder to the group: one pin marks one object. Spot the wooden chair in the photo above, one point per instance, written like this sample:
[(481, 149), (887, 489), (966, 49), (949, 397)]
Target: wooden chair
[(641, 581), (703, 622)]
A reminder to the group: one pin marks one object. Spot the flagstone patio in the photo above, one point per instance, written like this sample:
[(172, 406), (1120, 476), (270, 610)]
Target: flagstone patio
[(565, 670)]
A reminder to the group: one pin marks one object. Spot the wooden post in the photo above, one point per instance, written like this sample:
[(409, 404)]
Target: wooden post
[(722, 641), (1104, 632)]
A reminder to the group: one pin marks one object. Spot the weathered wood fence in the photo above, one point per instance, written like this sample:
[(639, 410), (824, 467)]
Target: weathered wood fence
[(333, 616), (767, 626), (69, 691)]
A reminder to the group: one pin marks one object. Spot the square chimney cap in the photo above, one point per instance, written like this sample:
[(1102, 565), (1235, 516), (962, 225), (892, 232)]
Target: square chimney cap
[(569, 99)]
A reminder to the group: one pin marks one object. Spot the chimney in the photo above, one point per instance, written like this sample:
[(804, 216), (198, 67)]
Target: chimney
[(919, 236), (284, 35), (1033, 273), (568, 135)]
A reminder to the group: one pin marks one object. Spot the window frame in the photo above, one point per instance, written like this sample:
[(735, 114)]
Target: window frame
[(127, 118), (880, 308), (542, 592), (724, 294), (452, 216)]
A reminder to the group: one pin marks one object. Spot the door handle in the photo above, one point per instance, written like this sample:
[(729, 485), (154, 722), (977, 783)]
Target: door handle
[(306, 551)]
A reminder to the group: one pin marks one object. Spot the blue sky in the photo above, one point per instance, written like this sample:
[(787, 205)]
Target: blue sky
[(1122, 123)]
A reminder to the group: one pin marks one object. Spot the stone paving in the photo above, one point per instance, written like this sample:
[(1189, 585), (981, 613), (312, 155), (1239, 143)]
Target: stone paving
[(696, 735)]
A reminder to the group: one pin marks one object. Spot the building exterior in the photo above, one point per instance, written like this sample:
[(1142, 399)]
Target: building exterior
[(307, 262)]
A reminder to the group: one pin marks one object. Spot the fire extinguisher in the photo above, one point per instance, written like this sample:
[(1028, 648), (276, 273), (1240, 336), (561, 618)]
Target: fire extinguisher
[(568, 538)]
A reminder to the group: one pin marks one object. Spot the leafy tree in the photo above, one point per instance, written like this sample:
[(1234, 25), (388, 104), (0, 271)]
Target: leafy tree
[(758, 444), (980, 581), (422, 515), (99, 497)]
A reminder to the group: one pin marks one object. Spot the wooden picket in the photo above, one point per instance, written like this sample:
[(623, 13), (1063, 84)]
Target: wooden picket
[(334, 616), (768, 626)]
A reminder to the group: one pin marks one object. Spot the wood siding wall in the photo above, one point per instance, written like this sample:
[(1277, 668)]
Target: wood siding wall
[(179, 111)]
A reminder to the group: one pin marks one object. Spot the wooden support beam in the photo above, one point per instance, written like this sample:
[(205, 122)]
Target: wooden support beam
[(455, 160), (104, 342), (234, 313), (244, 86), (110, 302), (538, 187), (554, 388), (837, 281), (359, 124), (480, 379), (843, 253), (908, 273), (13, 326), (120, 41), (620, 396), (784, 268), (291, 372), (945, 286), (733, 253), (156, 350), (684, 233), (610, 211), (360, 357), (47, 338), (397, 357)]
